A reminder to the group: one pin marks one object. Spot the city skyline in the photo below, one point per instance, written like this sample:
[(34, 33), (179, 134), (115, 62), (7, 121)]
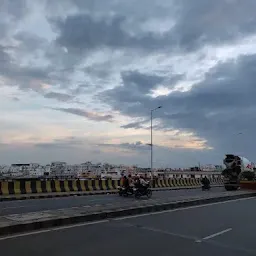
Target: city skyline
[(78, 80)]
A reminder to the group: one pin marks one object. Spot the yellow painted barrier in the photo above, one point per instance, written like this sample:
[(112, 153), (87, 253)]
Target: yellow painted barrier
[(50, 186)]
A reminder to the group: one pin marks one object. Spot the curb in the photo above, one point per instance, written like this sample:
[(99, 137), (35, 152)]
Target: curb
[(96, 216), (35, 196), (105, 192)]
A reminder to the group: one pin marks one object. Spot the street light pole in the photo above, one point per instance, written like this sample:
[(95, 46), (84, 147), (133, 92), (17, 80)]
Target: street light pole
[(151, 144)]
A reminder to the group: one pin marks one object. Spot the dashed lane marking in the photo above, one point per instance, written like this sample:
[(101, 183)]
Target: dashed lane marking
[(214, 235)]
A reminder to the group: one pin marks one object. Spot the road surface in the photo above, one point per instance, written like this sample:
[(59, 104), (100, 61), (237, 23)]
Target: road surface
[(221, 229), (35, 205)]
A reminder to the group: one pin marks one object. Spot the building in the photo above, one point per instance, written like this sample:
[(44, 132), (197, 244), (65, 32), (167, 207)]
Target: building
[(58, 168)]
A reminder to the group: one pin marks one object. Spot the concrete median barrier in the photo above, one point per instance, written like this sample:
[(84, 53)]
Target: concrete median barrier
[(27, 222), (22, 189)]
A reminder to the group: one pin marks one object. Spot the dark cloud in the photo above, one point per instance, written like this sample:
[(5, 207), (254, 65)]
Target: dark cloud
[(112, 31), (142, 82), (89, 33), (124, 98), (89, 115), (4, 57), (177, 157), (196, 24), (84, 89), (154, 7), (216, 109), (92, 33), (26, 77), (15, 8), (29, 42), (47, 153), (11, 12), (135, 125), (216, 22), (3, 30), (59, 96), (137, 146)]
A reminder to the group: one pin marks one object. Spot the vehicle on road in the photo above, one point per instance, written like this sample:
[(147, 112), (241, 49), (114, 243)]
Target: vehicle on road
[(123, 191), (142, 191), (206, 187), (206, 184), (236, 166)]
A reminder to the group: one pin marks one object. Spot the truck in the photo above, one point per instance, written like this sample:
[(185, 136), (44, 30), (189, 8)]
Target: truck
[(236, 168)]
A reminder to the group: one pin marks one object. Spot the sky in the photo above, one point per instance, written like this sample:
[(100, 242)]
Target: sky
[(79, 78)]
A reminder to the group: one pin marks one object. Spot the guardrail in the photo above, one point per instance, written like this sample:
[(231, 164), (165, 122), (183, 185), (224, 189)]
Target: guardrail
[(51, 186)]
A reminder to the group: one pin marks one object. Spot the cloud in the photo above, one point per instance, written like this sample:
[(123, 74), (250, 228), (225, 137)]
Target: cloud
[(178, 156), (89, 115), (137, 146), (29, 42), (61, 143), (59, 96), (215, 23), (139, 81), (25, 77), (223, 21), (106, 32), (216, 109), (120, 59), (135, 125), (15, 8), (15, 99), (11, 12)]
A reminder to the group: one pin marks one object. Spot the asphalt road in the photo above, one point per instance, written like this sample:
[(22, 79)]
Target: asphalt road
[(223, 229), (35, 205)]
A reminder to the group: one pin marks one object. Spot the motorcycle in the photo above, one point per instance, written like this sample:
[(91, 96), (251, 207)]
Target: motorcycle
[(206, 187), (205, 184), (146, 191), (122, 191)]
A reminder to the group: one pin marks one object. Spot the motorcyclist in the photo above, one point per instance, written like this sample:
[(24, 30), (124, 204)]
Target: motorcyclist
[(141, 184), (130, 183), (142, 181), (205, 182), (137, 183), (125, 182), (130, 179)]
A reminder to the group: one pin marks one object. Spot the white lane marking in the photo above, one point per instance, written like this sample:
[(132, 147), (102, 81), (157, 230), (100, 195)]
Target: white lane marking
[(182, 209), (168, 233), (53, 229), (121, 218), (214, 235)]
